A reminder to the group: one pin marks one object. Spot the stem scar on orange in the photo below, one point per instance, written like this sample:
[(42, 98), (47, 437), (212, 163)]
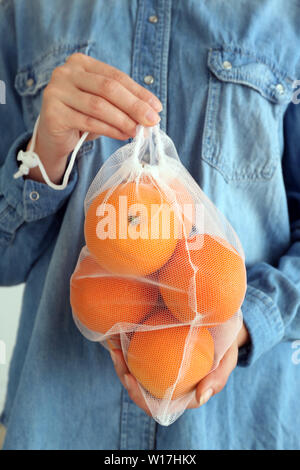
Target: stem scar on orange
[(131, 231), (100, 300), (134, 229), (209, 280), (159, 359), (184, 207)]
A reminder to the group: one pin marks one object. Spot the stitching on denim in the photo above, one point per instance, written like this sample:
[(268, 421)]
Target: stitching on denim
[(210, 116), (211, 157), (42, 77), (5, 212), (166, 31), (258, 58), (59, 49), (145, 426), (123, 420), (152, 434), (210, 152), (31, 98), (266, 88), (6, 238), (267, 302), (137, 42), (86, 148), (159, 44), (10, 219)]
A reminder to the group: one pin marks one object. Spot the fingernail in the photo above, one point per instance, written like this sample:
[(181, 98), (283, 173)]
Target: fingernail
[(156, 104), (205, 396), (152, 116), (126, 378)]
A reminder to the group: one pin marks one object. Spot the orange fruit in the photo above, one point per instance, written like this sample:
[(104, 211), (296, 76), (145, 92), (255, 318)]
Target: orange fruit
[(155, 357), (210, 280), (134, 231), (103, 301), (184, 206), (182, 202)]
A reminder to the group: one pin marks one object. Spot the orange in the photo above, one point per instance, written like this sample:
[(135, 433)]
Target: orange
[(134, 231), (103, 301), (155, 356), (181, 201), (183, 205), (210, 280)]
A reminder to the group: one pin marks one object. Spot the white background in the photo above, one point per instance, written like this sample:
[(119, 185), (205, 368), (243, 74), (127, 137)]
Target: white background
[(10, 305)]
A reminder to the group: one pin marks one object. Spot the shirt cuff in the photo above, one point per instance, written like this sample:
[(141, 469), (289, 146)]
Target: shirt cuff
[(31, 199), (264, 323)]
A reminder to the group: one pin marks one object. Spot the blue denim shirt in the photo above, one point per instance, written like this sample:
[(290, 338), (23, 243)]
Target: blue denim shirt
[(224, 72)]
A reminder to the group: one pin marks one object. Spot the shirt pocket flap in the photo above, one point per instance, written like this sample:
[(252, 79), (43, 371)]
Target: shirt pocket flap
[(243, 68), (34, 77)]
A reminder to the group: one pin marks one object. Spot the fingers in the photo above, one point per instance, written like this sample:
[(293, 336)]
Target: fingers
[(135, 393), (214, 382), (209, 386), (128, 381), (243, 336), (94, 66), (120, 364), (86, 95), (98, 108), (67, 118), (104, 93), (114, 342), (114, 92)]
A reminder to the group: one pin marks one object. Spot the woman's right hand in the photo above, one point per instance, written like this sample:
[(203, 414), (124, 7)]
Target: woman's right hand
[(85, 94)]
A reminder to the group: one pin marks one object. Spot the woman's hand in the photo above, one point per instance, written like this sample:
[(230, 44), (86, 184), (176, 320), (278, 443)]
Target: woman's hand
[(207, 387), (216, 381), (85, 94)]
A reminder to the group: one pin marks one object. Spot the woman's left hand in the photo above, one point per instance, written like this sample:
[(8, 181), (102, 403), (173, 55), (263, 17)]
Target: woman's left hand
[(212, 384)]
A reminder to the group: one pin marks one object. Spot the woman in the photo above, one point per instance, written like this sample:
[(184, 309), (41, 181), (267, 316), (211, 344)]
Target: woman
[(224, 92)]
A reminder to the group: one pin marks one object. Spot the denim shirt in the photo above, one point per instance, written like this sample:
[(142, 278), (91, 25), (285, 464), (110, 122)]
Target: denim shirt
[(224, 72)]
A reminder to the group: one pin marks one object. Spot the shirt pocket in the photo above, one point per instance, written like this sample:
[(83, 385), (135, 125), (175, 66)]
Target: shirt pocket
[(243, 124), (31, 81)]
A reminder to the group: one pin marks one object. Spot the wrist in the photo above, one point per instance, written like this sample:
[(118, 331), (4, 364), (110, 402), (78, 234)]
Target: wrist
[(54, 166)]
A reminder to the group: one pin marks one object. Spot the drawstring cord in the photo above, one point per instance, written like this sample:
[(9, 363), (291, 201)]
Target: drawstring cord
[(30, 159)]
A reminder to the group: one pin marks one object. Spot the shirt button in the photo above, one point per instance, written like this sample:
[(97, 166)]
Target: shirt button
[(227, 65), (280, 88), (153, 19), (34, 195), (29, 82), (149, 80)]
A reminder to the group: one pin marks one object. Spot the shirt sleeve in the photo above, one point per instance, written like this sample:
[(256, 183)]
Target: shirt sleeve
[(28, 209), (31, 200), (271, 308), (28, 216)]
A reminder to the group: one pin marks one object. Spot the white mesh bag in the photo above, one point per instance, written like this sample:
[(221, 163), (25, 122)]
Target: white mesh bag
[(162, 275)]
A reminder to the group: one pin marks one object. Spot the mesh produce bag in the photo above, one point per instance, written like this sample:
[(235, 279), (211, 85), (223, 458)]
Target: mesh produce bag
[(162, 275)]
